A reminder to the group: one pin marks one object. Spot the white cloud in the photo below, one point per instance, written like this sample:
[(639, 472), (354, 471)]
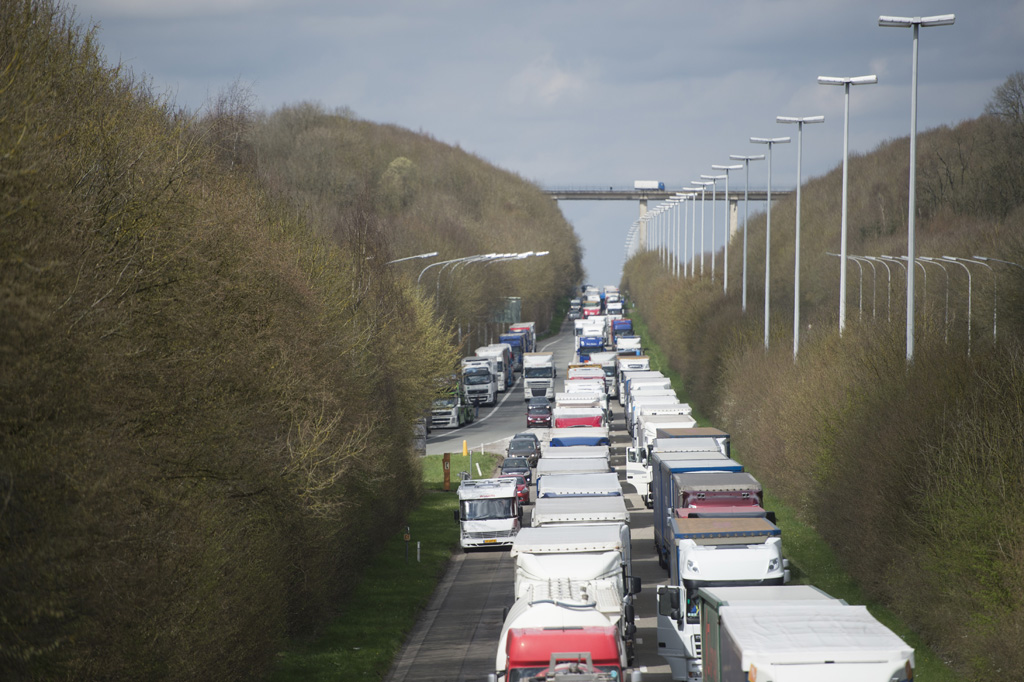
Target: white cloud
[(543, 83)]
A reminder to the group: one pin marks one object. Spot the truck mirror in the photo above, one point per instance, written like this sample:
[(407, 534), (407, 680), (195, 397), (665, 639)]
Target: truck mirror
[(634, 585), (636, 676), (770, 516), (492, 677), (455, 513)]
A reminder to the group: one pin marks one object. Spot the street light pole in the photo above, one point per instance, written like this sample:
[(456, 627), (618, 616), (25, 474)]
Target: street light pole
[(951, 259), (916, 23), (703, 186), (935, 261), (728, 234), (714, 199), (746, 215), (799, 121), (770, 141), (846, 83)]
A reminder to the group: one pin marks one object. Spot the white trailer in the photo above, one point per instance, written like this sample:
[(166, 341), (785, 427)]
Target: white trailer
[(571, 465), (576, 511), (579, 485), (790, 634)]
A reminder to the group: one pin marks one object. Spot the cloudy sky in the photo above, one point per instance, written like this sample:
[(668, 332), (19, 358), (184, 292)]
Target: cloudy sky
[(584, 93)]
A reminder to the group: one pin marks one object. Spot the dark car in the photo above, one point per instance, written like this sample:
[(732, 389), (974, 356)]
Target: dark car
[(522, 487), (517, 465), (538, 414), (523, 447)]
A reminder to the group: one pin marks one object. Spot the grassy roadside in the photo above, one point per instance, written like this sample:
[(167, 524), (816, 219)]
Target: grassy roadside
[(812, 561), (371, 626)]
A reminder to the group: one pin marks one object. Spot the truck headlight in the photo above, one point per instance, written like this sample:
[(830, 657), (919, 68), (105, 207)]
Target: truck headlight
[(773, 565), (692, 566)]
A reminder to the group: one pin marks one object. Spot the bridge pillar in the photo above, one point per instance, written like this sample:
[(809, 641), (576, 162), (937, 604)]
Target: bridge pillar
[(642, 236), (734, 213)]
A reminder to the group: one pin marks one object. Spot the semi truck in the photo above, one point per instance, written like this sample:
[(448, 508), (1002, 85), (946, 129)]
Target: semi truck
[(712, 551), (539, 375), (649, 184), (579, 485), (581, 435), (577, 511), (572, 465), (649, 398), (450, 409), (502, 355), (667, 439), (480, 378), (593, 560), (489, 513), (563, 417), (530, 329), (631, 377), (709, 485), (560, 634), (794, 633), (517, 342)]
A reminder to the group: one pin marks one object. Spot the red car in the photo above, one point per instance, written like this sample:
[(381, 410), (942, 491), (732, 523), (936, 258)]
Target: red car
[(538, 414), (522, 488)]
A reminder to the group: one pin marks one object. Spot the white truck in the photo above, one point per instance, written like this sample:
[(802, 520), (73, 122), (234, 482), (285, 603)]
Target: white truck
[(577, 511), (572, 465), (480, 379), (502, 354), (538, 375), (653, 397), (489, 513), (579, 485), (593, 559), (712, 551), (631, 376), (558, 633), (795, 633)]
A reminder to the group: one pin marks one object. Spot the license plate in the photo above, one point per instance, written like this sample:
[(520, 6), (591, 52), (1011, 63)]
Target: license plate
[(487, 542)]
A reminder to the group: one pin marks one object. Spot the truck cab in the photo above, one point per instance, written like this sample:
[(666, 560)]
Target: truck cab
[(479, 376), (489, 513), (450, 410), (538, 376)]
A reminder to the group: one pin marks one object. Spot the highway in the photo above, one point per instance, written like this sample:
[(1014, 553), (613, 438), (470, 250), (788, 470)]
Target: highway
[(457, 634)]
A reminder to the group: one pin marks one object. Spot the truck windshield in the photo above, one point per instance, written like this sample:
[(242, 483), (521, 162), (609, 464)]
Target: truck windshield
[(442, 403), (475, 377), (538, 372), (483, 510)]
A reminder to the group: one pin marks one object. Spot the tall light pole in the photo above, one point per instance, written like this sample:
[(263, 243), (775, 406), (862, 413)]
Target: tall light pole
[(888, 286), (995, 290), (714, 190), (746, 214), (728, 234), (935, 261), (702, 186), (799, 121), (846, 83), (916, 23), (770, 141), (951, 259)]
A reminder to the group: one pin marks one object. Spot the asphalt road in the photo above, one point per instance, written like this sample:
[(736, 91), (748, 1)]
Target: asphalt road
[(456, 637)]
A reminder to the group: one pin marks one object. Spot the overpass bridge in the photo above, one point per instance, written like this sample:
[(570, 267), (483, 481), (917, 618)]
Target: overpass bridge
[(643, 196)]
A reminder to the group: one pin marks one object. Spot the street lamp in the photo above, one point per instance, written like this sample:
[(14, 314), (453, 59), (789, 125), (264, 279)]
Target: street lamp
[(770, 141), (860, 268), (916, 23), (746, 215), (714, 190), (799, 121), (419, 255), (951, 259), (874, 282), (935, 261), (846, 83), (995, 291), (888, 286), (703, 186), (728, 234)]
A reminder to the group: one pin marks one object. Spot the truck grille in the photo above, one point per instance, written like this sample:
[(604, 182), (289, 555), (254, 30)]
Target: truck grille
[(696, 645), (488, 535)]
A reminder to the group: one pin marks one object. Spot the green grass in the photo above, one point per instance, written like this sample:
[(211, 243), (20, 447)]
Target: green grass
[(372, 624), (812, 561)]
